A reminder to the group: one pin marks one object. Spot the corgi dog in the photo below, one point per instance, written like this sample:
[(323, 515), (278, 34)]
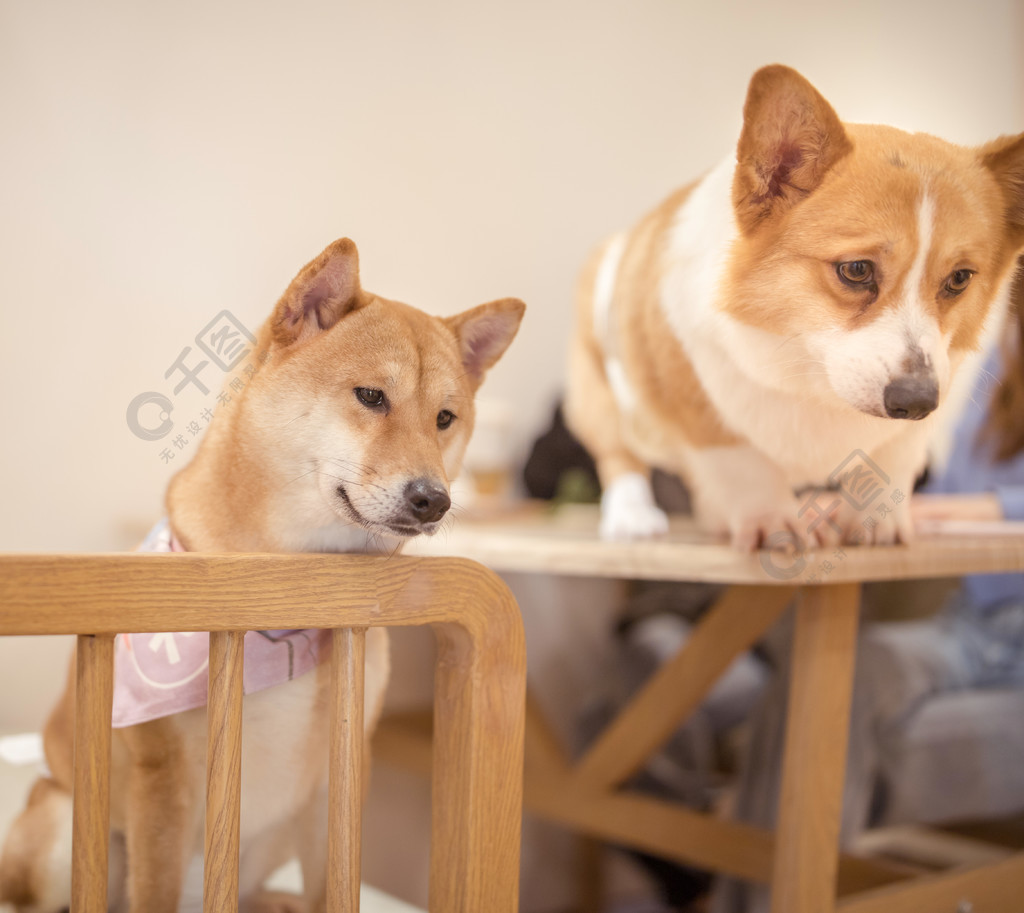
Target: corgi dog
[(814, 297), (345, 439)]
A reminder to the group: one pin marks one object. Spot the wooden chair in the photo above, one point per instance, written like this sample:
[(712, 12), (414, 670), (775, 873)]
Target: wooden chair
[(478, 705)]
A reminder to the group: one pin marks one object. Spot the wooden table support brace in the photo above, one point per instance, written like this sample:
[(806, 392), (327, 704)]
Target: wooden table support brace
[(985, 888), (676, 689)]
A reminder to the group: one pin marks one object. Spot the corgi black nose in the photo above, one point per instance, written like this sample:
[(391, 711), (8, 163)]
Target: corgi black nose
[(911, 396), (427, 500)]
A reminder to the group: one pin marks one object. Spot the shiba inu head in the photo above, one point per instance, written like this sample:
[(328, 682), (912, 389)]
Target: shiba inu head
[(881, 256), (359, 418)]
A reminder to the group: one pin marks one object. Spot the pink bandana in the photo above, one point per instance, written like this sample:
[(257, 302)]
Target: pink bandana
[(156, 675)]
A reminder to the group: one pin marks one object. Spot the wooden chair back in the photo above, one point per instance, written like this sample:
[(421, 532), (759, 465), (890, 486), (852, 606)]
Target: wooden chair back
[(478, 703)]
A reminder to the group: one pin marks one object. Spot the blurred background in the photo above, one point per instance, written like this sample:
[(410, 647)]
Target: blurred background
[(162, 163)]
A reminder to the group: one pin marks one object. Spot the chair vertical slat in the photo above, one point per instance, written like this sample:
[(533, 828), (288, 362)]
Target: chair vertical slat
[(345, 792), (477, 790), (223, 772), (94, 693)]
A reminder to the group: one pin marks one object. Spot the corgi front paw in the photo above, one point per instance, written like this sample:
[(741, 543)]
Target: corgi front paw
[(885, 521), (628, 510), (777, 530), (783, 528), (894, 526)]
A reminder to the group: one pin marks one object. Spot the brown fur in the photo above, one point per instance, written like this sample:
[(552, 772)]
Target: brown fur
[(263, 480), (650, 352), (808, 193), (878, 188)]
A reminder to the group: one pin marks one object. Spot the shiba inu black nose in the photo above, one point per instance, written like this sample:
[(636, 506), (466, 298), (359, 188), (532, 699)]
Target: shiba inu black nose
[(428, 501), (911, 396)]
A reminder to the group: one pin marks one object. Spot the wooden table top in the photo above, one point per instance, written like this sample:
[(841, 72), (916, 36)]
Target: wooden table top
[(535, 538)]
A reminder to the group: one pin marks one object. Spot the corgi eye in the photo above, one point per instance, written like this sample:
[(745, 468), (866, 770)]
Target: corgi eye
[(856, 273), (958, 281), (368, 396), (444, 419)]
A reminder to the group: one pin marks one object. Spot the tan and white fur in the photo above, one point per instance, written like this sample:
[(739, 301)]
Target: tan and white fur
[(346, 439), (808, 298)]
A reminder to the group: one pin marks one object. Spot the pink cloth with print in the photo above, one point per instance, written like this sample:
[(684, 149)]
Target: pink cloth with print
[(156, 675)]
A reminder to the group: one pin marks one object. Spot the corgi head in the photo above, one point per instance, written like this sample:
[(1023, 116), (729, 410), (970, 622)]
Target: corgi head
[(357, 421), (879, 256)]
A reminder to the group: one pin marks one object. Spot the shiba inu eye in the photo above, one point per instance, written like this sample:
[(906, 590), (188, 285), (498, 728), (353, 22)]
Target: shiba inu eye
[(958, 281), (368, 396), (445, 418), (856, 273)]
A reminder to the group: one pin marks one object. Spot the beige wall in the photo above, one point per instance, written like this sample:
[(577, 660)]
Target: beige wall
[(162, 162)]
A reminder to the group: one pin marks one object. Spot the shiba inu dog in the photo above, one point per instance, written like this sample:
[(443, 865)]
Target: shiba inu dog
[(813, 297), (346, 438)]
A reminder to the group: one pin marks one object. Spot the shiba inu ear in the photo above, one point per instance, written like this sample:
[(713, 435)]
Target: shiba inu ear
[(323, 292), (1005, 158), (791, 137), (485, 332)]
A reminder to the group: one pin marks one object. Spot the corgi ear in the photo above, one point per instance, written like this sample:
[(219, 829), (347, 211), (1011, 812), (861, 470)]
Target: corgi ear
[(485, 332), (1004, 157), (323, 292), (791, 137)]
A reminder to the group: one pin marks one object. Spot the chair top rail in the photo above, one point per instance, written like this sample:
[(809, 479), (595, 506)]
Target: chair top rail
[(119, 592)]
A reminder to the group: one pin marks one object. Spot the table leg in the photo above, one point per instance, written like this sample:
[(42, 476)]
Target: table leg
[(817, 729)]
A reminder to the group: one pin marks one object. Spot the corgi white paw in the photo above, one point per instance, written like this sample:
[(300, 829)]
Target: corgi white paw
[(628, 510)]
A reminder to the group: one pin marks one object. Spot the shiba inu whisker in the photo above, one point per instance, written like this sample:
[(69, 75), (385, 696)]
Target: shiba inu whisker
[(308, 472), (348, 481)]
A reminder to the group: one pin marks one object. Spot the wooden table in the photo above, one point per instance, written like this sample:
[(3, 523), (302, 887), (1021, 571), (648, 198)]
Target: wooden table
[(801, 860)]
